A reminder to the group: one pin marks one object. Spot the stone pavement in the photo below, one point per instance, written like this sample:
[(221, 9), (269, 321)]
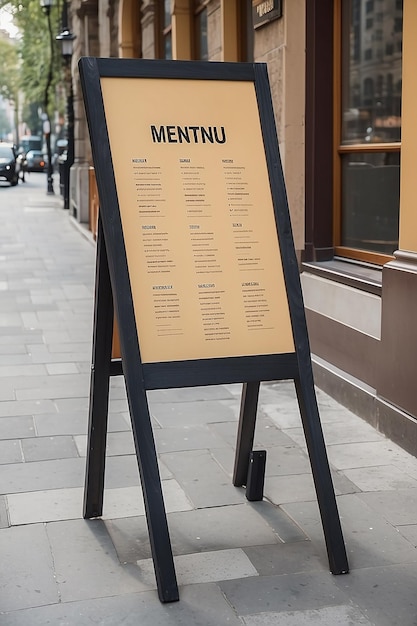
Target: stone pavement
[(237, 563)]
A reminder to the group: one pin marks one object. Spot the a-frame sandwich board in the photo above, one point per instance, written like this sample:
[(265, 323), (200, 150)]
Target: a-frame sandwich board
[(195, 251)]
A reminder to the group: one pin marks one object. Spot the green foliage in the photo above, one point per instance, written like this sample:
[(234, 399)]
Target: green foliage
[(39, 51), (5, 127), (9, 71), (36, 65), (31, 116)]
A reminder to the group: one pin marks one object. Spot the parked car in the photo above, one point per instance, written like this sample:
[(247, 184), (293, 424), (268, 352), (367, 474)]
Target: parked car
[(9, 166), (35, 161)]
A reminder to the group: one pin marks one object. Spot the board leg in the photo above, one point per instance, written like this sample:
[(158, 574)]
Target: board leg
[(335, 545), (152, 493), (99, 385), (246, 432)]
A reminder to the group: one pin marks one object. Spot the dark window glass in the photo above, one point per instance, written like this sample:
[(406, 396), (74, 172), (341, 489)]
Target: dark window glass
[(370, 125), (166, 31), (167, 13), (370, 197)]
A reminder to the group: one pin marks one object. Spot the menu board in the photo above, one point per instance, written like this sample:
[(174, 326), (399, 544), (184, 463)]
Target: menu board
[(198, 222)]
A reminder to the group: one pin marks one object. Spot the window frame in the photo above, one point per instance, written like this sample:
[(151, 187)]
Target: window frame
[(340, 150)]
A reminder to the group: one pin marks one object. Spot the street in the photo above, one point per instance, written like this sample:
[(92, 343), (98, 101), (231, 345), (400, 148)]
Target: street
[(34, 181)]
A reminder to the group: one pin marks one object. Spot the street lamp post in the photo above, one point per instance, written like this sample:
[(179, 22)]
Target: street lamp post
[(66, 39), (46, 7)]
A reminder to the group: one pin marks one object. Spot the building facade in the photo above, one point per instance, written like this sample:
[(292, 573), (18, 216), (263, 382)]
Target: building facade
[(341, 74)]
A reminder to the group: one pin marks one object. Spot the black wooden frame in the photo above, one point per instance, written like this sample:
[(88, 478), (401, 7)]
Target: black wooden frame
[(113, 288)]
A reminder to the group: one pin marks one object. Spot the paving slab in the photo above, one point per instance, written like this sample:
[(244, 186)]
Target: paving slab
[(15, 336), (72, 423), (371, 541), (266, 433), (200, 605), (123, 471), (21, 370), (6, 393), (45, 381), (41, 475), (186, 413), (10, 451), (202, 479), (381, 478), (47, 448), (55, 388), (10, 349), (26, 568), (386, 595), (201, 530), (225, 458), (45, 506), (86, 562), (192, 394), (305, 591), (292, 488), (61, 368), (287, 558), (16, 359), (204, 567), (128, 501), (17, 427), (192, 437), (26, 407), (71, 405), (399, 508), (338, 432), (363, 454), (286, 460), (328, 616)]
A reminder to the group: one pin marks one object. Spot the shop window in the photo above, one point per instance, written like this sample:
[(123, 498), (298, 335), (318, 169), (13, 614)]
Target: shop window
[(368, 138)]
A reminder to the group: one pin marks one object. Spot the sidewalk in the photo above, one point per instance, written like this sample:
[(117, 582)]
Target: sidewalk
[(237, 563)]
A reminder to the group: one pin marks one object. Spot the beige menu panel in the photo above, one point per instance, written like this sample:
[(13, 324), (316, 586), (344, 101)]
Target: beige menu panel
[(196, 209)]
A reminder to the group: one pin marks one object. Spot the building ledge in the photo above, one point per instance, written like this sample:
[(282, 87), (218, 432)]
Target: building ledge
[(364, 276)]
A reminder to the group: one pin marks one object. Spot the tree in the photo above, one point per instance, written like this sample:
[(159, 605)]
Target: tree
[(36, 51), (9, 76), (37, 65)]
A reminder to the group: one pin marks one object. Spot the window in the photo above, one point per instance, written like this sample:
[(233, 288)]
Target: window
[(165, 30), (200, 30), (367, 180)]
